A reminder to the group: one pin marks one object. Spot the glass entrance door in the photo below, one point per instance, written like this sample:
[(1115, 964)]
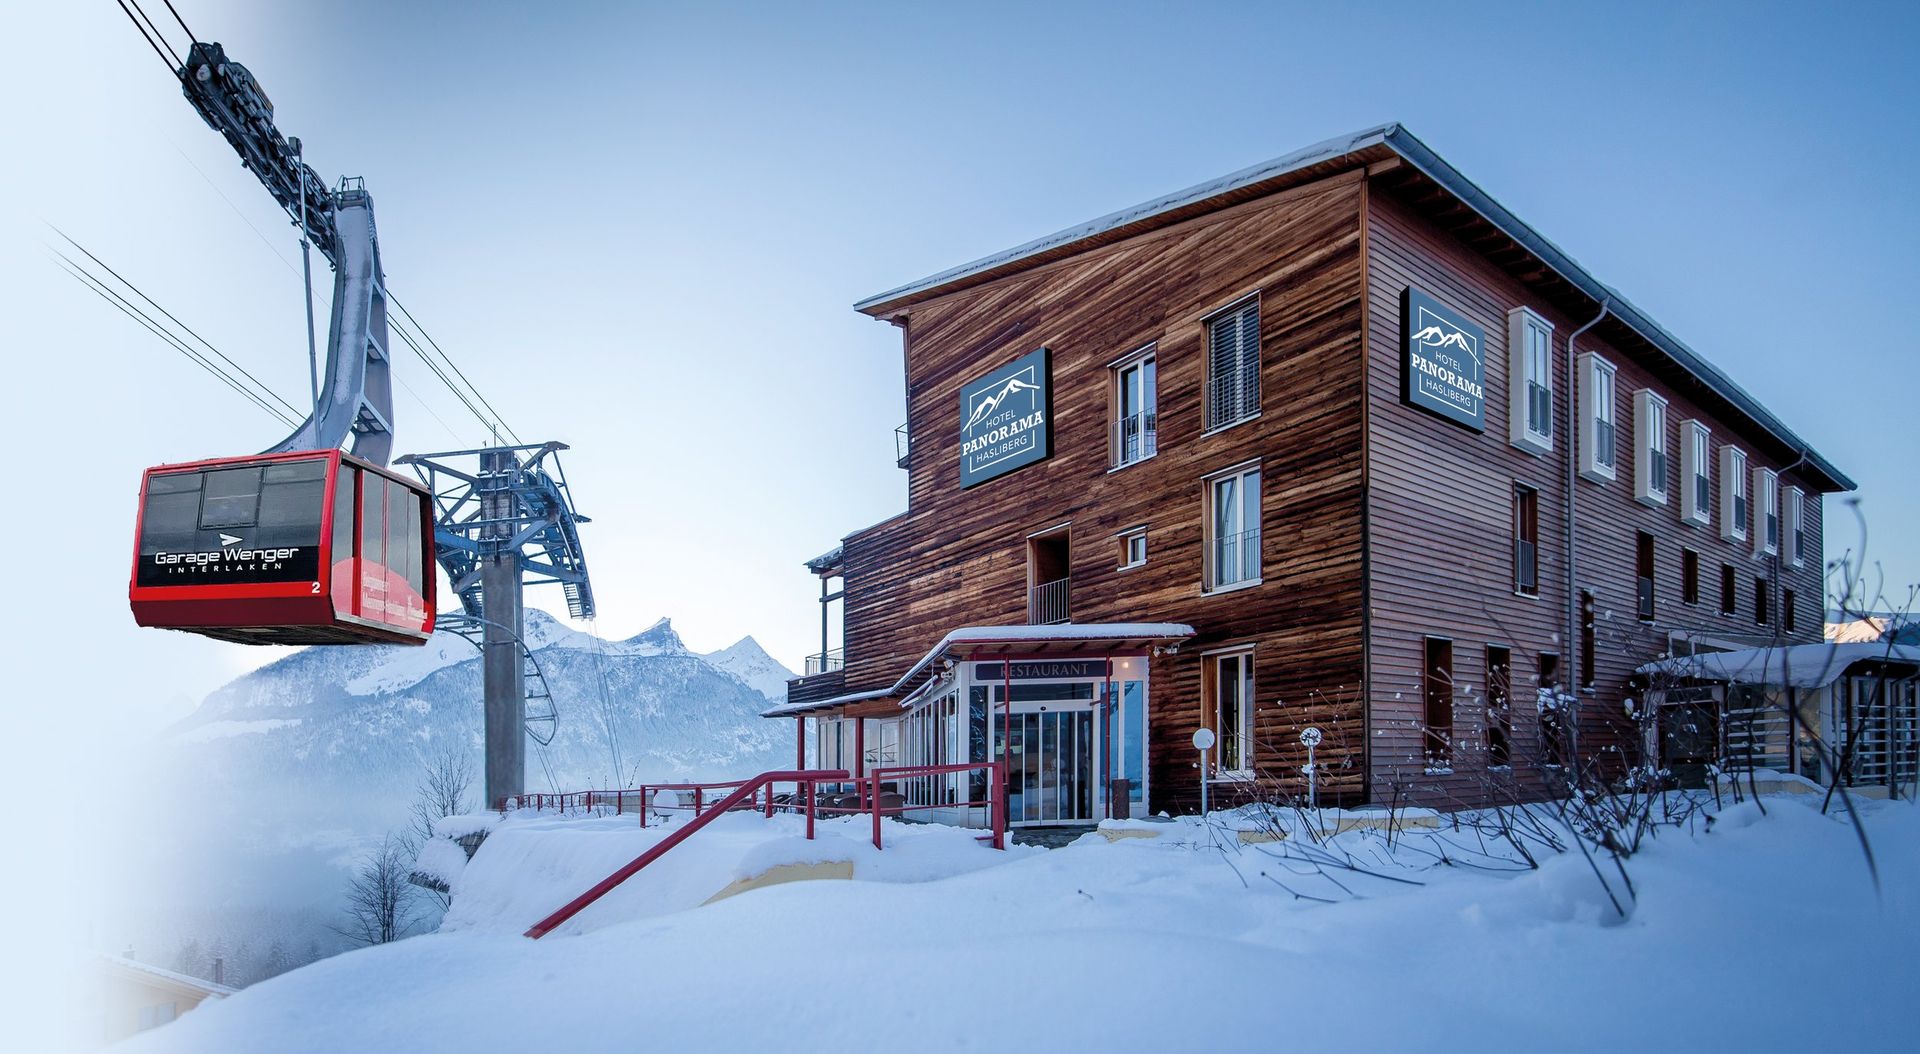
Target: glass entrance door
[(1050, 766)]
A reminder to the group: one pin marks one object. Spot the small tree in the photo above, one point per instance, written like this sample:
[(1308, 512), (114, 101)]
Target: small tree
[(380, 900)]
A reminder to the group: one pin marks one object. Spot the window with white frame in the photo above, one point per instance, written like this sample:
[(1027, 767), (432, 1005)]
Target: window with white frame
[(1696, 465), (1793, 508), (1766, 489), (1232, 690), (1233, 529), (1233, 364), (1733, 494), (1597, 432), (1135, 395), (1530, 380), (1651, 466), (1133, 547)]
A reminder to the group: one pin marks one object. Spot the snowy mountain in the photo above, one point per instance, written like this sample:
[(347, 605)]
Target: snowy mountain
[(281, 778)]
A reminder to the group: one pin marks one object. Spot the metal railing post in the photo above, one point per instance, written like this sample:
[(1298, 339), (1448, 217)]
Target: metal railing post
[(810, 804), (876, 807)]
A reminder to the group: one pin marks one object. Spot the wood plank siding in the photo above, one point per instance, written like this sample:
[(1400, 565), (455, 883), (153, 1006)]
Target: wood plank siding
[(1440, 515), (959, 558), (1382, 526)]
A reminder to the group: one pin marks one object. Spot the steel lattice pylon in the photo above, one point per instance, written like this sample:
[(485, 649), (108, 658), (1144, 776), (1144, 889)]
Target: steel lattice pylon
[(503, 518)]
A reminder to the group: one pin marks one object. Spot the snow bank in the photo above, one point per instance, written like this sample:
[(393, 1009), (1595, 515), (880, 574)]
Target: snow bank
[(531, 865), (1753, 933), (441, 860), (463, 824)]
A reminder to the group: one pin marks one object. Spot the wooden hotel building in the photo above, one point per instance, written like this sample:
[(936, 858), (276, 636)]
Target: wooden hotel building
[(1333, 442)]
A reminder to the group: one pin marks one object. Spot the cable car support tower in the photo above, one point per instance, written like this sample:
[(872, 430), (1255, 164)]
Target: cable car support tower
[(504, 518)]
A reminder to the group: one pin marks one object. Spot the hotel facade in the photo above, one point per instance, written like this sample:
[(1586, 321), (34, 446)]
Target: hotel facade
[(1334, 457)]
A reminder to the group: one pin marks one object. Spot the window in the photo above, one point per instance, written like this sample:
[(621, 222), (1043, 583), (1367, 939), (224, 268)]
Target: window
[(1643, 576), (1233, 365), (231, 498), (1530, 380), (1586, 640), (1437, 685), (156, 1015), (1760, 608), (1526, 540), (1766, 487), (1733, 494), (1553, 732), (1690, 576), (1233, 529), (1499, 706), (1135, 398), (1728, 601), (1649, 448), (1596, 418), (1233, 714), (1133, 547), (1786, 610), (1793, 507), (1696, 464)]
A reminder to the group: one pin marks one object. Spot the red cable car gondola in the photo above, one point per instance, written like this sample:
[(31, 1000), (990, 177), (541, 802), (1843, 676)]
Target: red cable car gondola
[(312, 547)]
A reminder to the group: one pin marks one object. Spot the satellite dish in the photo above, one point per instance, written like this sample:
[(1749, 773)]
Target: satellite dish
[(1203, 739)]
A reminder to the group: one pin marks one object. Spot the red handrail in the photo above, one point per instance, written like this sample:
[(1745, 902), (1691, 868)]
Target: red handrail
[(996, 784), (806, 777)]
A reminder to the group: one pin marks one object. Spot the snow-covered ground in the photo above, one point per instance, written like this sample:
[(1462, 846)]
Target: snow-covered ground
[(1756, 932)]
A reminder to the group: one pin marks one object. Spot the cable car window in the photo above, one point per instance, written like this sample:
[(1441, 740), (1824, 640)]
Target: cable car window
[(231, 498), (295, 471), (174, 483), (172, 516), (290, 512), (400, 555), (416, 570), (373, 549), (343, 493)]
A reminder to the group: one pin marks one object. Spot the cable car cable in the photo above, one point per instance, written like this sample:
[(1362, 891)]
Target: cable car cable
[(189, 329), (183, 22), (173, 66), (501, 421), (438, 372), (127, 308)]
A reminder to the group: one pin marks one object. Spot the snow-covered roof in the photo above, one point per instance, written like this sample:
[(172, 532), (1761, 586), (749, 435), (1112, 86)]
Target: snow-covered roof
[(149, 972), (1039, 636), (1793, 666), (830, 558), (790, 709), (1045, 635)]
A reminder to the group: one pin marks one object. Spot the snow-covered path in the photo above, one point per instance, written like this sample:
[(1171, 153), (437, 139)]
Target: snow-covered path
[(1761, 935)]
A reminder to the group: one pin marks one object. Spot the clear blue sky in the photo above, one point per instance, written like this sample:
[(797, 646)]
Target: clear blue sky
[(639, 229)]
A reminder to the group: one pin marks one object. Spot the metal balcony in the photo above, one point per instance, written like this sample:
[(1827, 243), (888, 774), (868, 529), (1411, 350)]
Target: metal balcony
[(1047, 602), (826, 662), (1134, 439), (902, 447)]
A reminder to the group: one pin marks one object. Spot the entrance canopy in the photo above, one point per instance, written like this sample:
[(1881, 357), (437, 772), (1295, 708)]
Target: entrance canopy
[(1793, 666), (1054, 641)]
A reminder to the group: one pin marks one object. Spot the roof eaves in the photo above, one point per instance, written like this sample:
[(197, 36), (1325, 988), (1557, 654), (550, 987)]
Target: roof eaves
[(1419, 155)]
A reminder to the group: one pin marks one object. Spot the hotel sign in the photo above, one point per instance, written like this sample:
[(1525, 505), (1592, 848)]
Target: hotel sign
[(1441, 361), (1005, 419)]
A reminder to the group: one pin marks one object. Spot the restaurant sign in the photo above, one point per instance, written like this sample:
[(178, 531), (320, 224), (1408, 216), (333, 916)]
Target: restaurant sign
[(1005, 419), (1441, 364)]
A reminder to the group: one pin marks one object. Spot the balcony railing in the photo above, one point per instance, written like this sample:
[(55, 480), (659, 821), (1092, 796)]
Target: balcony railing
[(1235, 559), (902, 447), (1047, 602), (826, 662), (1233, 395), (1134, 439)]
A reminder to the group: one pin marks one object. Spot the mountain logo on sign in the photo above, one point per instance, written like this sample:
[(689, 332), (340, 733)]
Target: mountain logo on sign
[(1441, 335), (987, 403)]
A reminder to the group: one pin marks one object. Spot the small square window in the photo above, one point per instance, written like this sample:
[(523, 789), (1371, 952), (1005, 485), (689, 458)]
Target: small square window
[(1133, 548)]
